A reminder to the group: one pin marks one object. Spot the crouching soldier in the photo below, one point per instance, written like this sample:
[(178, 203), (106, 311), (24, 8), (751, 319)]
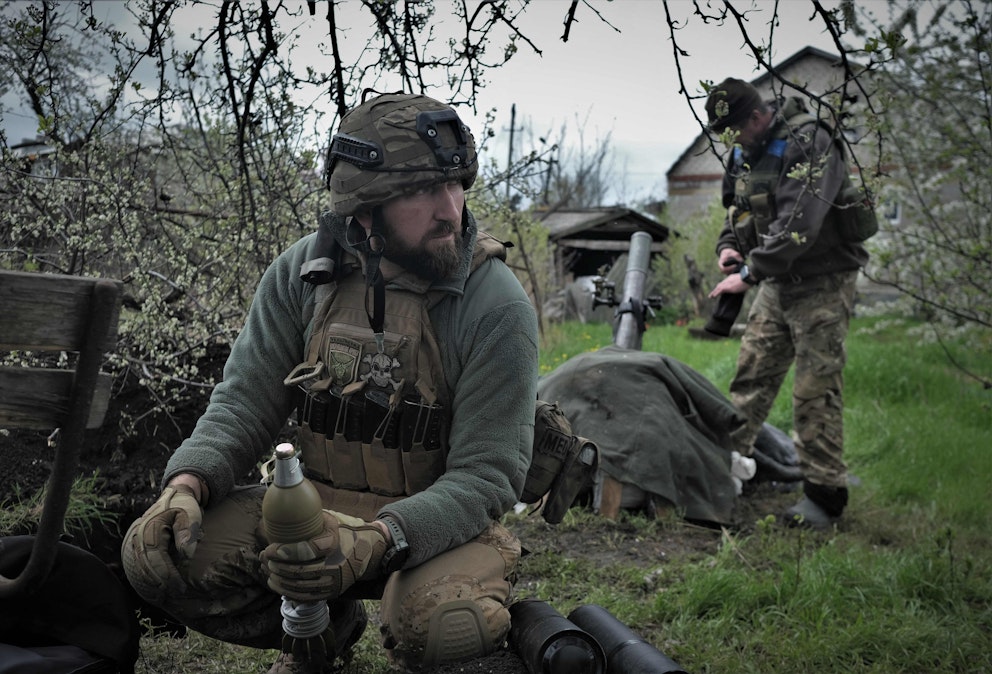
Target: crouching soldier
[(409, 351)]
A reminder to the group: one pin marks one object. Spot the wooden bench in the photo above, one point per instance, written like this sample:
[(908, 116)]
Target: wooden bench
[(55, 313)]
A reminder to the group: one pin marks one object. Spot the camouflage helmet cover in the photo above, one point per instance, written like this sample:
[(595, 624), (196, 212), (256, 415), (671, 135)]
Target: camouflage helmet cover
[(394, 144)]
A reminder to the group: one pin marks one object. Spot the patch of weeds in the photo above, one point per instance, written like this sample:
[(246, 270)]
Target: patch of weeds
[(194, 652), (87, 508)]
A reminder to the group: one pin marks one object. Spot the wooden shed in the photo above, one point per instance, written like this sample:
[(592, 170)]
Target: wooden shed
[(587, 239)]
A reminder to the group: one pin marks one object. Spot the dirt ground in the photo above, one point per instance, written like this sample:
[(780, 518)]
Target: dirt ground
[(131, 471), (607, 542)]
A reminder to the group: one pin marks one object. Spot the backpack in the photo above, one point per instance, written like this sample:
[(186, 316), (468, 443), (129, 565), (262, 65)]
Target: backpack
[(854, 208)]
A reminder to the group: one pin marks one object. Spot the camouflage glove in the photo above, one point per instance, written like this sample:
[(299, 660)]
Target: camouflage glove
[(172, 523), (348, 550)]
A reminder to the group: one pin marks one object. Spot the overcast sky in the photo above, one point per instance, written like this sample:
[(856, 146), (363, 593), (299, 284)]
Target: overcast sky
[(626, 82), (618, 78)]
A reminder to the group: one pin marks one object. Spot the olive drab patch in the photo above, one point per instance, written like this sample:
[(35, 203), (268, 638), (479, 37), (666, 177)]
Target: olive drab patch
[(342, 358)]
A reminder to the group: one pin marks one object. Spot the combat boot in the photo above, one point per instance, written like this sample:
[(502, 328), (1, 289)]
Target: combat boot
[(348, 620), (820, 507)]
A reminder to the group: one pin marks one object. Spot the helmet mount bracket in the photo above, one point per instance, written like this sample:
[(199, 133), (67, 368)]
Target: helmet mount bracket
[(428, 128)]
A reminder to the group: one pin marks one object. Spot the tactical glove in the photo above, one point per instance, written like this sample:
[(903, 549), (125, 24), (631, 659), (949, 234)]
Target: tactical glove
[(348, 550), (173, 521), (563, 464)]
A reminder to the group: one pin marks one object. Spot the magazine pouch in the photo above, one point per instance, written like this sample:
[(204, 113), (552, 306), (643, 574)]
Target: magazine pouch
[(381, 444), (422, 434)]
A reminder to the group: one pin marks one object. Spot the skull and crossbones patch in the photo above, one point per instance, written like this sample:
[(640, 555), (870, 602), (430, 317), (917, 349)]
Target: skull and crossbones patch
[(381, 366)]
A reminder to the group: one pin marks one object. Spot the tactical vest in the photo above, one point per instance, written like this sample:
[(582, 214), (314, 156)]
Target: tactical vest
[(754, 186), (370, 419)]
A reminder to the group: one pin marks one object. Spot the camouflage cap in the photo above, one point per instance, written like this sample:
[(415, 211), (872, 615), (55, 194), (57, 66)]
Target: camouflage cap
[(394, 144), (730, 103)]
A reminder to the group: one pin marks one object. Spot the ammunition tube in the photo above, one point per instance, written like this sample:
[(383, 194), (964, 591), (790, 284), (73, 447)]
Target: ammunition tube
[(548, 643), (626, 652)]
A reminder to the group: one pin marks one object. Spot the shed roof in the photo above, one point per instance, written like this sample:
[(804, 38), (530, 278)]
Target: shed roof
[(605, 223)]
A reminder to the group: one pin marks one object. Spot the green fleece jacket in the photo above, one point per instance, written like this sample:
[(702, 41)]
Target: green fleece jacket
[(487, 332)]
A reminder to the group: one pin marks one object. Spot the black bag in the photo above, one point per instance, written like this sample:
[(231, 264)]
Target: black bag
[(81, 619)]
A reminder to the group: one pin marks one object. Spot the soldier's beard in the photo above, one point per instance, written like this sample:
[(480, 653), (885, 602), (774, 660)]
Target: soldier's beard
[(433, 258)]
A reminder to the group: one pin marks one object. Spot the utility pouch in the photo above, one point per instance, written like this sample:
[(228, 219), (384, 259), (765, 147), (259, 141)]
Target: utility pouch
[(762, 213), (577, 475), (380, 445), (562, 465), (747, 236), (344, 447), (857, 220), (315, 413), (421, 434)]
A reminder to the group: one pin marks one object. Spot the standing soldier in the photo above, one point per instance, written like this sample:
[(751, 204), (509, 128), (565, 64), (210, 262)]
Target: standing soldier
[(782, 184)]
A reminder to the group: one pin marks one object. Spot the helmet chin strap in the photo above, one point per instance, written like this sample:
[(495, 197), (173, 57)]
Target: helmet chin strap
[(373, 247)]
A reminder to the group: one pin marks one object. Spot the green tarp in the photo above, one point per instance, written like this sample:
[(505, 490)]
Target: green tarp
[(659, 424)]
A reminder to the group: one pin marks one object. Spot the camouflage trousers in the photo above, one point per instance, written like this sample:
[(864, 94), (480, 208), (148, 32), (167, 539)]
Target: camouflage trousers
[(226, 597), (803, 322)]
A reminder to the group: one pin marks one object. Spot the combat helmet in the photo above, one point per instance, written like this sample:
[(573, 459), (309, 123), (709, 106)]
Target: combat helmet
[(394, 144)]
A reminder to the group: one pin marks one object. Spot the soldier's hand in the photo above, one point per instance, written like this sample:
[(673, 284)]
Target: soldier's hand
[(731, 284), (730, 260), (171, 526), (348, 550)]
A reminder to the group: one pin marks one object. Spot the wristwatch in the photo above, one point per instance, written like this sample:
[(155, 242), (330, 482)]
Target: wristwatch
[(397, 554), (747, 276)]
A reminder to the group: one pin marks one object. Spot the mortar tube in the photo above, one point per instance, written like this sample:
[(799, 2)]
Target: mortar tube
[(631, 316)]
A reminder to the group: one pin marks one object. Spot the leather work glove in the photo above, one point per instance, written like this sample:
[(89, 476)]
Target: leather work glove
[(326, 566), (172, 521)]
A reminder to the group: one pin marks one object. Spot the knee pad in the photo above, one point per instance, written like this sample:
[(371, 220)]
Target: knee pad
[(457, 631), (424, 634)]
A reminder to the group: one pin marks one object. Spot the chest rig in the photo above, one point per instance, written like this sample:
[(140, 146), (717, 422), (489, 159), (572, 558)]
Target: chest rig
[(374, 410), (755, 183)]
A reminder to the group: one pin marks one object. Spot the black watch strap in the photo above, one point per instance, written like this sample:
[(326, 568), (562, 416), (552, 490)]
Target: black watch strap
[(397, 554), (747, 276)]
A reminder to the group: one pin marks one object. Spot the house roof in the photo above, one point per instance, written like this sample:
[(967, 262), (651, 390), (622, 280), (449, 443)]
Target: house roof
[(603, 224), (764, 77)]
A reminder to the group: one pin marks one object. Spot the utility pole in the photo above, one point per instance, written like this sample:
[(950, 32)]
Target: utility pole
[(547, 178), (509, 158)]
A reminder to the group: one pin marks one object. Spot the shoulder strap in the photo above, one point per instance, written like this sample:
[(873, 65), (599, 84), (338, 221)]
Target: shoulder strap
[(802, 119), (487, 246), (328, 263), (320, 268), (782, 135)]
